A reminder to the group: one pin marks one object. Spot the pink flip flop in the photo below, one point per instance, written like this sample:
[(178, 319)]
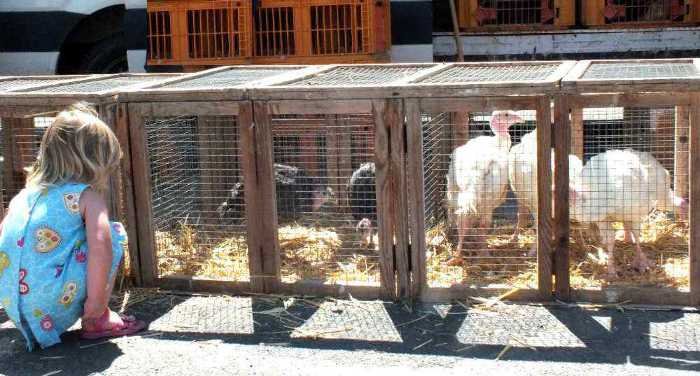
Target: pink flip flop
[(130, 326)]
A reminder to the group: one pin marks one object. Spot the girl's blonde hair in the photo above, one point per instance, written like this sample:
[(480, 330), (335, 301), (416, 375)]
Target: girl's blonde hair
[(76, 147)]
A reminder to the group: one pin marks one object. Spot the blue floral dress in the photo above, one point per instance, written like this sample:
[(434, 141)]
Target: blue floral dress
[(43, 261)]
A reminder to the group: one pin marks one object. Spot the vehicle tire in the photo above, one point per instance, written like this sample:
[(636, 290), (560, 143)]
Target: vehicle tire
[(105, 56)]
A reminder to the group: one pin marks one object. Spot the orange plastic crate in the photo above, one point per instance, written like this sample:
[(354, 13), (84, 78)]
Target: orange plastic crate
[(273, 31), (639, 13), (491, 15), (198, 32)]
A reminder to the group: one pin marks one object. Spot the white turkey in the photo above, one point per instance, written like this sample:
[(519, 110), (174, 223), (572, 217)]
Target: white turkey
[(622, 186), (477, 180), (522, 174)]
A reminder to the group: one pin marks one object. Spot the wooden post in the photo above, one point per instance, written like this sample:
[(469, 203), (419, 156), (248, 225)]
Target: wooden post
[(385, 196), (20, 151), (577, 132), (246, 128), (694, 217), (108, 115), (562, 139), (266, 208), (127, 191), (460, 129), (680, 152), (9, 155), (544, 199), (142, 194), (394, 121), (416, 198), (455, 27)]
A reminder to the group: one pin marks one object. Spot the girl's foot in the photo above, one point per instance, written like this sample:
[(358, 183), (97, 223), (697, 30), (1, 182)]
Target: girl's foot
[(110, 325)]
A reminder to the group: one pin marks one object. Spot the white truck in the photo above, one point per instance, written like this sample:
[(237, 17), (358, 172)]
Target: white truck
[(72, 36)]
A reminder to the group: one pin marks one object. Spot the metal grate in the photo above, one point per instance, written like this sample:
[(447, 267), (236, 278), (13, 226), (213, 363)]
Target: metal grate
[(229, 78), (160, 37), (623, 71), (340, 28), (327, 218), (197, 197), (515, 12), (217, 32), (275, 33), (358, 75), (625, 11), (635, 163), (26, 83), (494, 237), (472, 73), (102, 84)]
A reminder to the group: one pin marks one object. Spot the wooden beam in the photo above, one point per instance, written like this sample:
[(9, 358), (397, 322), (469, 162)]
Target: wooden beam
[(384, 198), (544, 199), (394, 120), (577, 132), (142, 191), (416, 198), (562, 139), (694, 217), (251, 198), (680, 152), (266, 208)]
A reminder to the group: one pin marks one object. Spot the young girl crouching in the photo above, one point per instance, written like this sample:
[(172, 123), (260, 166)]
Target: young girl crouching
[(58, 250)]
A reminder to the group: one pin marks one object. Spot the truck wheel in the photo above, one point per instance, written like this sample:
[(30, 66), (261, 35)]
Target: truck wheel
[(105, 56)]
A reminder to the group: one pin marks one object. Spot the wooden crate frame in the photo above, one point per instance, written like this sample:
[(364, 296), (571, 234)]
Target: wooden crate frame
[(578, 93), (30, 101)]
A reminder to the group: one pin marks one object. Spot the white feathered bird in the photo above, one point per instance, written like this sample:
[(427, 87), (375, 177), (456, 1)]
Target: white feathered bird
[(622, 186), (477, 179), (522, 174)]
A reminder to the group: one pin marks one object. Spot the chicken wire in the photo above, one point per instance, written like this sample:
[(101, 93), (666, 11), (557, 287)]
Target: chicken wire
[(514, 12), (101, 84), (358, 75), (634, 164), (620, 71), (197, 197), (475, 73), (24, 144), (25, 83), (497, 254), (320, 204), (229, 78), (625, 11)]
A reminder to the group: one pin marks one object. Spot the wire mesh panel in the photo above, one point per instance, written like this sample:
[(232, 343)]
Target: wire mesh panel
[(475, 73), (275, 30), (217, 31), (326, 198), (624, 70), (105, 84), (197, 197), (230, 78), (358, 75), (20, 149), (628, 200), (643, 11), (21, 83), (480, 198), (160, 35)]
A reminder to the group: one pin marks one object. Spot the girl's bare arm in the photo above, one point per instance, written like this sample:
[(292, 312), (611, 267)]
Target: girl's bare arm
[(99, 261)]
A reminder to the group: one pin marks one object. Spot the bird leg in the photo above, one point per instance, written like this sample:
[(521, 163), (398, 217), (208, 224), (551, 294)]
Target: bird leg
[(640, 261), (627, 226), (463, 225), (608, 236), (484, 230), (523, 213)]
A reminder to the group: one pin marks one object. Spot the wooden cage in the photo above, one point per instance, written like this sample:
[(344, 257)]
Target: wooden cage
[(509, 15), (365, 179), (639, 13), (633, 123), (27, 107), (224, 32)]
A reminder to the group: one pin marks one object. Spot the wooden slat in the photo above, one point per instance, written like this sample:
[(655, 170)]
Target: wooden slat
[(107, 114), (266, 208), (384, 198), (253, 219), (9, 155), (694, 217), (630, 100), (394, 121), (681, 158), (127, 187), (460, 129), (142, 195), (416, 198), (320, 107), (476, 104), (577, 132), (562, 139), (544, 199)]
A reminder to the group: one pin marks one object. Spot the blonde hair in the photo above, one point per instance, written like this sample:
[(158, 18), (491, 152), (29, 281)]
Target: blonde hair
[(76, 147)]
